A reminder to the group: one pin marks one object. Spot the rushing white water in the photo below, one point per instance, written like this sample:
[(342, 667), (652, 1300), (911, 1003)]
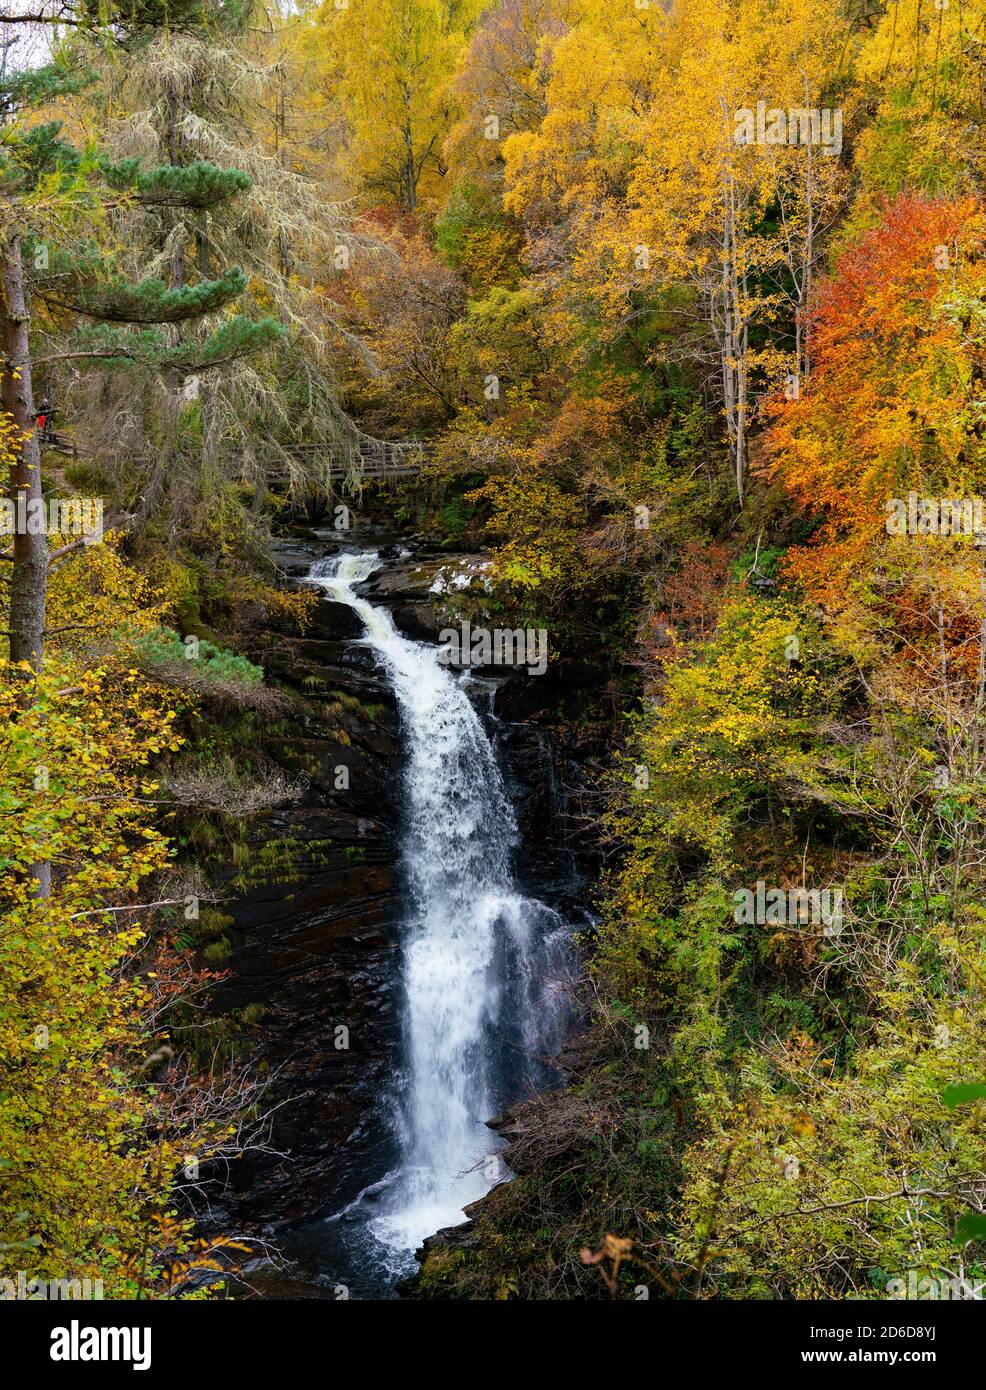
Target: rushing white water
[(484, 969)]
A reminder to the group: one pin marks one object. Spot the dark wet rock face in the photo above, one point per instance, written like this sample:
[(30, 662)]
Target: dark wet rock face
[(320, 962), (316, 943)]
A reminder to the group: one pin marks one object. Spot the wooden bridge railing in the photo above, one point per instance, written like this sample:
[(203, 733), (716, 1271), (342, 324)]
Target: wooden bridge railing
[(367, 457), (364, 456)]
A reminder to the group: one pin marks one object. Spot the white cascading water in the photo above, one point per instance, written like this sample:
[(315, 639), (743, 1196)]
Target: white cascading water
[(484, 969)]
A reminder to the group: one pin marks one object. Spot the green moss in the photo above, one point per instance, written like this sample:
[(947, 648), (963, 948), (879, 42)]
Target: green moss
[(217, 951)]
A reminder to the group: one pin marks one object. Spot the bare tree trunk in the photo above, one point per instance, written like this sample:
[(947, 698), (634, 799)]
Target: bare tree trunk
[(29, 578), (409, 172), (733, 338), (280, 154)]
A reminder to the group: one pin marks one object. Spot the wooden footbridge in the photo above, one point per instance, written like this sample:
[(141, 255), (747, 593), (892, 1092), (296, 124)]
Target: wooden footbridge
[(360, 457), (349, 458)]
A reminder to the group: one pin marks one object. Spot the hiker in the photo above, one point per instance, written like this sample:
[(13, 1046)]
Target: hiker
[(43, 418)]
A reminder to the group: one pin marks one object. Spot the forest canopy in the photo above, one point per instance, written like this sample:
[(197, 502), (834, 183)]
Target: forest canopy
[(678, 312)]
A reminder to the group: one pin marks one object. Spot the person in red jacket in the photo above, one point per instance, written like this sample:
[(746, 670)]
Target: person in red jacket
[(43, 418)]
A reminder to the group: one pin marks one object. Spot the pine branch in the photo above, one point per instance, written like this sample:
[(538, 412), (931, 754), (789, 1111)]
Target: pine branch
[(200, 185), (235, 338), (152, 301)]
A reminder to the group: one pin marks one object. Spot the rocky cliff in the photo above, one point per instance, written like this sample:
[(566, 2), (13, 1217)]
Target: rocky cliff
[(316, 944)]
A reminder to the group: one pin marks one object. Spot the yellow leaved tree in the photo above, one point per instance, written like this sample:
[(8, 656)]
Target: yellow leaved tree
[(88, 1149)]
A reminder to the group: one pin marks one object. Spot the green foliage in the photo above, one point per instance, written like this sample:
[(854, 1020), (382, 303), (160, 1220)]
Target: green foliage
[(456, 515), (125, 349), (153, 301), (38, 154), (499, 335), (197, 185), (27, 88), (163, 646), (477, 239)]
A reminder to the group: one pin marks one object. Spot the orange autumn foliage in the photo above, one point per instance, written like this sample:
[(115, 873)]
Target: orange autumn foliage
[(897, 353)]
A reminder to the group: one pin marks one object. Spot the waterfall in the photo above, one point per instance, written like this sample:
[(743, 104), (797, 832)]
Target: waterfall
[(484, 969)]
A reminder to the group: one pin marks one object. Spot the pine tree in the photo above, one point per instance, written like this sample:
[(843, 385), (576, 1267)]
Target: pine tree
[(216, 100), (52, 194)]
